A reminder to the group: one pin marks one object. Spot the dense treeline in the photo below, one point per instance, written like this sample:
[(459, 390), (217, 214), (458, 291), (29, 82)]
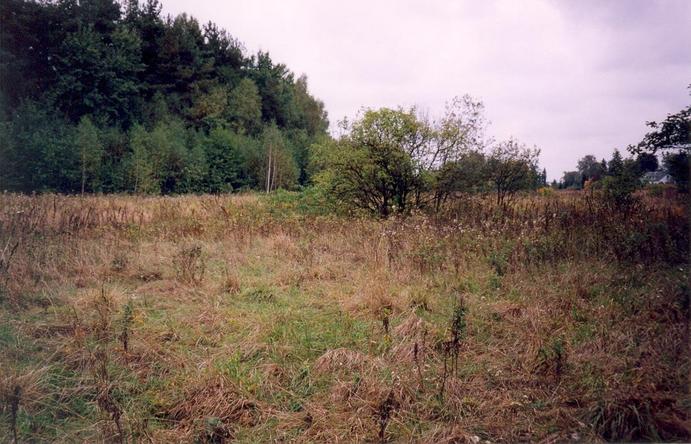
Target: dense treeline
[(102, 96), (99, 96)]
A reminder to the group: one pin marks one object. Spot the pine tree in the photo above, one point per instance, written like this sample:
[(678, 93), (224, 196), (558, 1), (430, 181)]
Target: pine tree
[(616, 165)]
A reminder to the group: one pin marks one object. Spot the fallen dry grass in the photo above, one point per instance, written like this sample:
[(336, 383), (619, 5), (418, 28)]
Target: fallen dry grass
[(206, 319)]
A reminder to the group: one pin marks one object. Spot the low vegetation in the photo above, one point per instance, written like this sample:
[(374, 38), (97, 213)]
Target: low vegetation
[(553, 316)]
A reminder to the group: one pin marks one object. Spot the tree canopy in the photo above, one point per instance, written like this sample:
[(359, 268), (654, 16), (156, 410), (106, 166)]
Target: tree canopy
[(103, 96), (673, 133), (395, 160), (672, 137)]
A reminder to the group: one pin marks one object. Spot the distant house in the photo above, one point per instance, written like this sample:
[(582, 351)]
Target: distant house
[(655, 177)]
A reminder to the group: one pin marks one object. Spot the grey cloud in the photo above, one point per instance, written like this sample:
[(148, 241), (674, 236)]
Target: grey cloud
[(573, 77)]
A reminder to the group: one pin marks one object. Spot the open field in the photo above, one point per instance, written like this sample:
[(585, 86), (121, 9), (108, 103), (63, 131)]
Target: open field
[(254, 318)]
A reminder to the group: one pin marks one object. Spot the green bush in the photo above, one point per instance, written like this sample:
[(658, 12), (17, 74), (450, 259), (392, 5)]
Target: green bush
[(309, 201), (618, 189)]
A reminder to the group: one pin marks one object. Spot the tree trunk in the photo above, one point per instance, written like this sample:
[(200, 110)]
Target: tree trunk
[(268, 172)]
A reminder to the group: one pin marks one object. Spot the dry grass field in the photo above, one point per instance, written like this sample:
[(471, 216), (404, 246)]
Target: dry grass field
[(254, 318)]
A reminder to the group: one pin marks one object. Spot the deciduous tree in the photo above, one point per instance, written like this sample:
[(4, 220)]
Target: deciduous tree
[(377, 164), (511, 166), (140, 169), (590, 169), (90, 153), (244, 110)]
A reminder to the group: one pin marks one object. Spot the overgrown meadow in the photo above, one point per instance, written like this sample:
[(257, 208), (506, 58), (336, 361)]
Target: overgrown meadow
[(257, 318)]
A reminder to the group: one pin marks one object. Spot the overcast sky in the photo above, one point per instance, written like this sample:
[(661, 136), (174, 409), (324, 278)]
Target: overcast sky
[(572, 77)]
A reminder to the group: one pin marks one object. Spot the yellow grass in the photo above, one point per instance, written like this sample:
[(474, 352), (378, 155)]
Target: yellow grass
[(253, 321)]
